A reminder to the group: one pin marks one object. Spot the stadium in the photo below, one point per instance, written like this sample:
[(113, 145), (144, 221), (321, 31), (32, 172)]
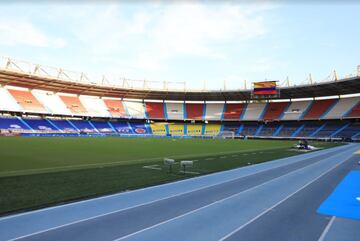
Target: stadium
[(89, 158)]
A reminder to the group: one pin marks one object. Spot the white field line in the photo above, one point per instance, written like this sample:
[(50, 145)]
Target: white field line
[(283, 200), (153, 167), (327, 229), (70, 167), (141, 189), (120, 210), (232, 196)]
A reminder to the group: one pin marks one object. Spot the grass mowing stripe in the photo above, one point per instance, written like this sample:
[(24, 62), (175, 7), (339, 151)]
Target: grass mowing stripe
[(24, 192)]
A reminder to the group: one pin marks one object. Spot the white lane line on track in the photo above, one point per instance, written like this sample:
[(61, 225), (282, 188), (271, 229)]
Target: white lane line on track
[(327, 228), (143, 204), (234, 195), (141, 189), (283, 200)]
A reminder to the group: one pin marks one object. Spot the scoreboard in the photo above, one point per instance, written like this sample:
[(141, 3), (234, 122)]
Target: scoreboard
[(265, 89)]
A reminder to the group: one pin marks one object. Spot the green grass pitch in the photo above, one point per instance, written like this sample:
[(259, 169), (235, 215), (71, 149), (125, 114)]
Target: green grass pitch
[(38, 171)]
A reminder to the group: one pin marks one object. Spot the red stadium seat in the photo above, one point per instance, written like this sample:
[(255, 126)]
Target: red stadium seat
[(355, 112), (275, 110), (27, 100), (233, 111), (155, 110), (318, 108), (73, 103), (194, 111), (115, 107)]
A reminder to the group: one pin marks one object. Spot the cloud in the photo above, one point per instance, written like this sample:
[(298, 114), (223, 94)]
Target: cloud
[(17, 32)]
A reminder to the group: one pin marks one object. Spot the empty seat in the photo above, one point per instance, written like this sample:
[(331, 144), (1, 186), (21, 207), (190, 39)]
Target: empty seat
[(355, 111), (94, 106), (175, 111), (296, 109), (155, 110), (194, 111), (115, 107), (254, 111), (275, 110), (342, 107), (214, 111), (73, 104), (135, 109), (27, 100), (319, 108), (233, 111)]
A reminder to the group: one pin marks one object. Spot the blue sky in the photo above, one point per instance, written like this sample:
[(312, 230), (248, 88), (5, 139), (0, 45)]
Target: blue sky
[(191, 41)]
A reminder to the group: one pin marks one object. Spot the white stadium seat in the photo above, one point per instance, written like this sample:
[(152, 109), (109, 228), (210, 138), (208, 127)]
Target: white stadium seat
[(341, 108), (214, 111), (175, 111), (51, 102), (7, 101), (253, 111), (135, 109), (95, 106), (296, 110)]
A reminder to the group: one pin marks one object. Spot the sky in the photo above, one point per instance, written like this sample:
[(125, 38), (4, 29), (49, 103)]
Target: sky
[(202, 43)]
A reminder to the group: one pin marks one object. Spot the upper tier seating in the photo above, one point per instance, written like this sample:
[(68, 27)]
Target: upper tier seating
[(102, 126), (51, 102), (214, 111), (13, 124), (115, 107), (175, 111), (7, 101), (234, 111), (194, 111), (254, 111), (94, 106), (355, 111), (135, 109), (342, 107), (40, 124), (296, 110), (26, 99), (155, 110), (73, 104), (275, 110), (319, 108)]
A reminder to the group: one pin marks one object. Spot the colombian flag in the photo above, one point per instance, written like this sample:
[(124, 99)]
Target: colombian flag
[(265, 88)]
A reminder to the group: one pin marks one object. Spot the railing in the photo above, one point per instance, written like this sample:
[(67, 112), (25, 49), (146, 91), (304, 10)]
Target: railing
[(51, 73)]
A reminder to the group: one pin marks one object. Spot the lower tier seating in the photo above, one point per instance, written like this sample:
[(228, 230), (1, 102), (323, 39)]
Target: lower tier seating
[(301, 129)]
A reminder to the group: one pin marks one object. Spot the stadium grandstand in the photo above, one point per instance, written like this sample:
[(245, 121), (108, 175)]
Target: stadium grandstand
[(37, 100)]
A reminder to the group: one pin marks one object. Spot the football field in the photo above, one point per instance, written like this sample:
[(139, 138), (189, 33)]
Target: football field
[(37, 172)]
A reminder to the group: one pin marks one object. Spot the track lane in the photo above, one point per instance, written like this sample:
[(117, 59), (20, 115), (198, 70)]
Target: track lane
[(296, 219)]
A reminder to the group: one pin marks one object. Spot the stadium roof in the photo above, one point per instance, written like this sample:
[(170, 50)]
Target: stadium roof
[(331, 88), (32, 76)]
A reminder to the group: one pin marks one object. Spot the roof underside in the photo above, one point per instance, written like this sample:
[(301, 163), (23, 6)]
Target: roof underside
[(340, 87)]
